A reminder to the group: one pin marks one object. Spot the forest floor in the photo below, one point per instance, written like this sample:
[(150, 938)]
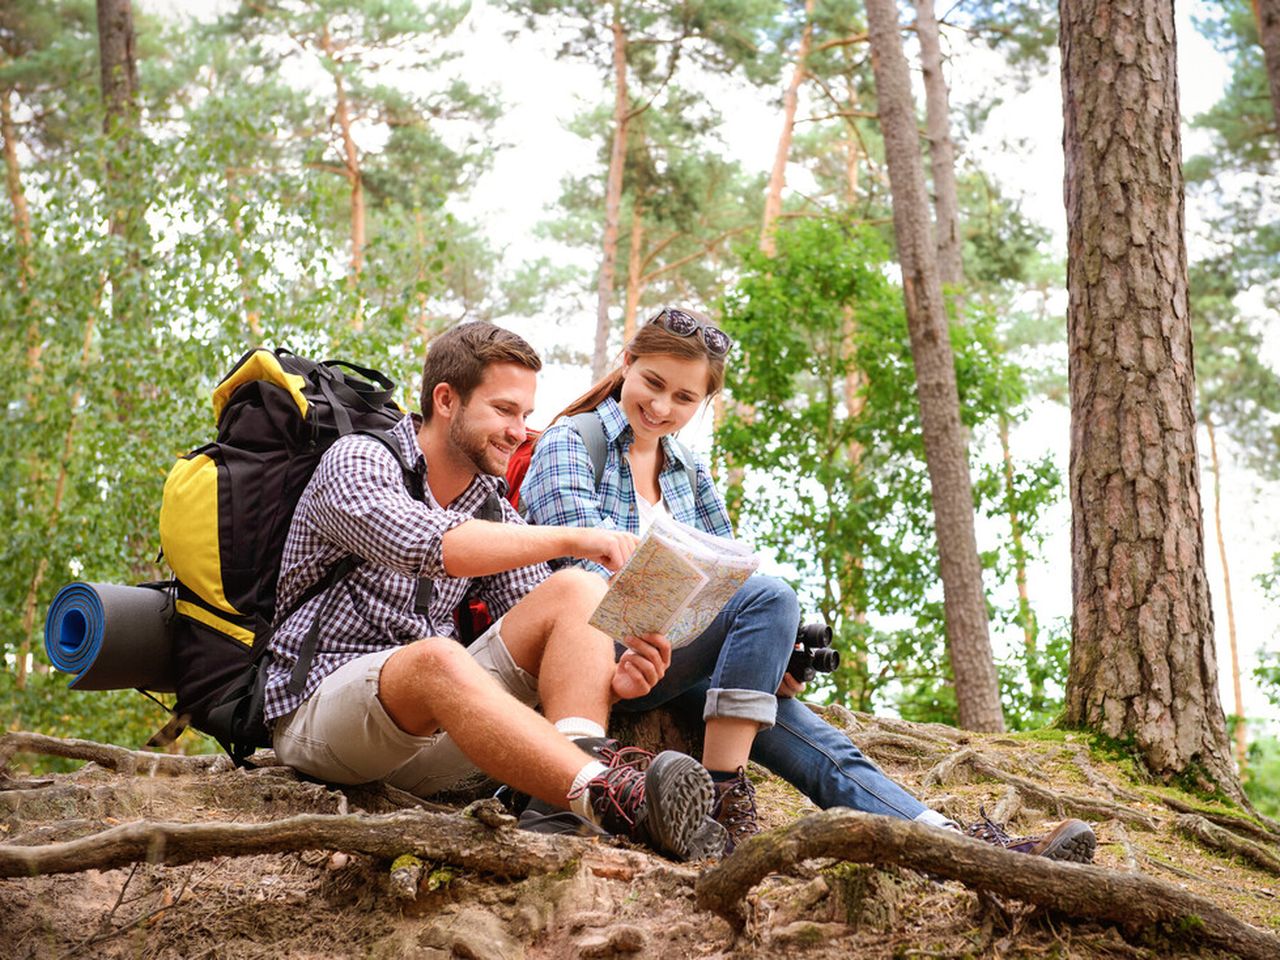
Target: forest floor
[(481, 890)]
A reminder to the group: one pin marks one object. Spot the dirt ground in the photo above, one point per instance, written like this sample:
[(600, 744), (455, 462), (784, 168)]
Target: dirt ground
[(326, 903)]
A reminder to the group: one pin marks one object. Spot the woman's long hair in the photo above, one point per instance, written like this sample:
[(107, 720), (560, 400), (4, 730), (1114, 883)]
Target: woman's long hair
[(652, 339)]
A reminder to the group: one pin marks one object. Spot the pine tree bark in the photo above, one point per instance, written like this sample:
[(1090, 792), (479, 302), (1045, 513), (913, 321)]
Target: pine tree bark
[(635, 269), (17, 196), (1242, 729), (612, 195), (1267, 13), (119, 72), (778, 176), (1142, 659), (942, 150), (968, 642)]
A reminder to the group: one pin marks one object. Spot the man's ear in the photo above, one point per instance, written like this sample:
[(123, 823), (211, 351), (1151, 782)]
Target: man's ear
[(444, 401)]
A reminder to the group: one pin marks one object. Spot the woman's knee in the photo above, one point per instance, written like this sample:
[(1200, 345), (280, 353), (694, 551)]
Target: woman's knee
[(775, 595)]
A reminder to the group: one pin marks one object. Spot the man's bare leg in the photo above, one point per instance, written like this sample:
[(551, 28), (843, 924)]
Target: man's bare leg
[(548, 636), (435, 684)]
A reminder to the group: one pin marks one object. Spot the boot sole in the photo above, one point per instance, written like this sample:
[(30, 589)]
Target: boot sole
[(678, 798), (1074, 847)]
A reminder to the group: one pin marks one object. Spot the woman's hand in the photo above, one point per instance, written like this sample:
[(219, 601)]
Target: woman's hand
[(641, 666), (790, 686)]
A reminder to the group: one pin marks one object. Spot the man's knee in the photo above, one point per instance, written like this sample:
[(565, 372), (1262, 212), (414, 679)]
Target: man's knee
[(573, 585), (435, 658)]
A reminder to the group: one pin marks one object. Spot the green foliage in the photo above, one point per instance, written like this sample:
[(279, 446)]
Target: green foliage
[(837, 484), (117, 340), (1267, 673), (1262, 780)]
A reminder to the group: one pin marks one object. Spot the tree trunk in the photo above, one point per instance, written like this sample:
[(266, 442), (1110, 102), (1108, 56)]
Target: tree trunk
[(634, 270), (55, 510), (17, 196), (968, 643), (352, 171), (942, 151), (1026, 615), (252, 319), (1267, 13), (1142, 657), (778, 176), (612, 196), (119, 72), (119, 76), (1242, 730)]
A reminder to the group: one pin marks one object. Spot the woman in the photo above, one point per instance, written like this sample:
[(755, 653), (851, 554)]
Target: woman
[(670, 369)]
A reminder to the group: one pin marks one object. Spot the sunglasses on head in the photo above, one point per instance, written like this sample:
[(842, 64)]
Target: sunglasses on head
[(686, 325)]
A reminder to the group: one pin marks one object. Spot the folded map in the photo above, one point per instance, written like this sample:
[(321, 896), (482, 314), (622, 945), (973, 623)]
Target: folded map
[(675, 583)]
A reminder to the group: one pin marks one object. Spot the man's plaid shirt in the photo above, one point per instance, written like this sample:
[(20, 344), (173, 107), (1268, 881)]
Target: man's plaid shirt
[(560, 488), (357, 503)]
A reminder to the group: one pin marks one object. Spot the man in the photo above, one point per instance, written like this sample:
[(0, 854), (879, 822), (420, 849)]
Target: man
[(389, 694)]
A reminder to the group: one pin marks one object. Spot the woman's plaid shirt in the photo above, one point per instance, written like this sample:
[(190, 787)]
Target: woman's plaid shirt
[(560, 488), (357, 503)]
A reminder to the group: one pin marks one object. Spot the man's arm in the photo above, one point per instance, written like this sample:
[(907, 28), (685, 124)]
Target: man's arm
[(479, 548)]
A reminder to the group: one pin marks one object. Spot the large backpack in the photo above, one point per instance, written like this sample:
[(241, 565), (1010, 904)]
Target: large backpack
[(225, 514)]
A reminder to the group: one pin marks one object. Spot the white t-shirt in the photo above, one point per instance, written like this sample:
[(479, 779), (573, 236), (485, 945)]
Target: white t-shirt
[(648, 510)]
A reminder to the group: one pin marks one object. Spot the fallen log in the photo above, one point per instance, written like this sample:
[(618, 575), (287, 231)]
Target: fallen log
[(448, 838), (1074, 889)]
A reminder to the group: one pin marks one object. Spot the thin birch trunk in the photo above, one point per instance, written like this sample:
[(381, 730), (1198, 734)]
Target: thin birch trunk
[(612, 196), (55, 511), (1242, 732), (942, 151), (17, 195), (778, 176), (964, 599), (1025, 614)]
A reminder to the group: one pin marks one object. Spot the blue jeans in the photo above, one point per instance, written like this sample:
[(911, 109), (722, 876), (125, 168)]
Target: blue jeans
[(733, 670)]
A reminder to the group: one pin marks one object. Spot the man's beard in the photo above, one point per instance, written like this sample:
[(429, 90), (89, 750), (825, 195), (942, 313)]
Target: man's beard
[(474, 446)]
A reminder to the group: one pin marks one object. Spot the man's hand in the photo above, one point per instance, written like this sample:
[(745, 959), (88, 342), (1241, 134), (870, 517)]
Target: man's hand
[(609, 548), (790, 686), (641, 666)]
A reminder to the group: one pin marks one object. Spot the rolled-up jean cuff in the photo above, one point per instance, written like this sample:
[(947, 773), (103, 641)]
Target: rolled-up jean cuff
[(742, 705)]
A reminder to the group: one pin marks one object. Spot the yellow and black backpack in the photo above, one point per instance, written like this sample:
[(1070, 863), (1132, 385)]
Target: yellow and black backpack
[(226, 511)]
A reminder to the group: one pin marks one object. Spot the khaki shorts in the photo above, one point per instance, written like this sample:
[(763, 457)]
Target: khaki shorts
[(342, 733)]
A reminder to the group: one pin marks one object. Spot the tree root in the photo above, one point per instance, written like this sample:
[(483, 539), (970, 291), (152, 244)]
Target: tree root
[(1062, 804), (113, 758), (1201, 830), (464, 842), (1096, 779), (1235, 824), (1079, 891)]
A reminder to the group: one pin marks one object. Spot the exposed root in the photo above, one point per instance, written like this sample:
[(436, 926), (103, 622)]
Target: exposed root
[(1201, 830), (1096, 778), (1061, 804), (1239, 825), (1073, 889), (105, 755), (1130, 855)]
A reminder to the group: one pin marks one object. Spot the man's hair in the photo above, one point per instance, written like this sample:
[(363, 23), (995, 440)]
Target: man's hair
[(460, 356)]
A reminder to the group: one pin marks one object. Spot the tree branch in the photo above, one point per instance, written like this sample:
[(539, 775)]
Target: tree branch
[(113, 758), (446, 837)]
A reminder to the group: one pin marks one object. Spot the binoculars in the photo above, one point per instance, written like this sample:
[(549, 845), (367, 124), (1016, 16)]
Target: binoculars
[(813, 653)]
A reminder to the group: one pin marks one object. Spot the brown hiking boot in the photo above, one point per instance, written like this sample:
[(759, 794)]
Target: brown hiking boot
[(1071, 840), (735, 809), (661, 801)]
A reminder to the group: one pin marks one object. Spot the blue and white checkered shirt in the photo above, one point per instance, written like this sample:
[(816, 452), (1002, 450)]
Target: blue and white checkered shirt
[(357, 503), (560, 486)]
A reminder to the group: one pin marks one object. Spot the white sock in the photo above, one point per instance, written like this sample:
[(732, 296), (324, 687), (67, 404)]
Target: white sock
[(934, 819), (575, 728), (581, 802)]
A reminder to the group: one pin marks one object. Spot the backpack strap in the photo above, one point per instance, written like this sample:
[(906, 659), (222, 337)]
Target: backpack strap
[(591, 428)]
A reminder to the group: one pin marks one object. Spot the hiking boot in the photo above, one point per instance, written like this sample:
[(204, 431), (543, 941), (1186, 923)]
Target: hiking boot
[(661, 801), (735, 809), (1071, 840)]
